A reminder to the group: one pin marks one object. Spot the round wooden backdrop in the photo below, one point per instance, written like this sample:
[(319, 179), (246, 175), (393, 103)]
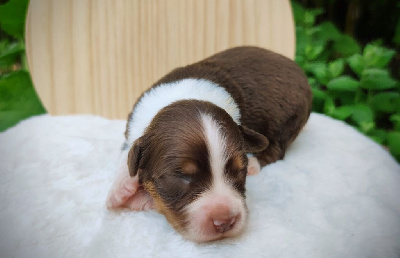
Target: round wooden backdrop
[(98, 56)]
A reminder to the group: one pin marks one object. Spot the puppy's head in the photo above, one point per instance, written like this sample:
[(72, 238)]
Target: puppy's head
[(192, 161)]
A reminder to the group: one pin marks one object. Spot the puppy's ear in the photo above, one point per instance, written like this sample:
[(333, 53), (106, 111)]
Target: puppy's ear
[(253, 142), (126, 192), (134, 156)]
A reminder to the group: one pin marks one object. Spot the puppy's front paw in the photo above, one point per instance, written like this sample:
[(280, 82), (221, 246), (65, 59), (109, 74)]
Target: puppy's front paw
[(253, 168)]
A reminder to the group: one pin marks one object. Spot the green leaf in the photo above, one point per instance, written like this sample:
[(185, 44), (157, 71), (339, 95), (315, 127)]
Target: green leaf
[(312, 31), (386, 102), (10, 118), (9, 52), (301, 40), (329, 106), (376, 79), (376, 56), (313, 82), (311, 15), (300, 61), (393, 139), (356, 63), (319, 70), (12, 17), (298, 13), (336, 67), (343, 83), (318, 94), (18, 99), (343, 98), (346, 46), (395, 119), (314, 50), (342, 112), (328, 31), (363, 115), (325, 56), (378, 135)]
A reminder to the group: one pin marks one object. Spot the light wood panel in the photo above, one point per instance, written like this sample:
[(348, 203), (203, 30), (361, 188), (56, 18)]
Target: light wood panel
[(98, 56)]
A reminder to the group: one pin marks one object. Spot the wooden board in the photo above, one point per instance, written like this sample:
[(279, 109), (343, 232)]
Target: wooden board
[(98, 56)]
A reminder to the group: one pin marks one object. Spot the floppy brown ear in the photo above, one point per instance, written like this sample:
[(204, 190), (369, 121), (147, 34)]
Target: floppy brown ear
[(253, 142), (134, 156), (126, 192)]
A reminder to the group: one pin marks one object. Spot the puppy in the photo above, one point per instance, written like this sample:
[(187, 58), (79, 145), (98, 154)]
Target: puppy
[(192, 138)]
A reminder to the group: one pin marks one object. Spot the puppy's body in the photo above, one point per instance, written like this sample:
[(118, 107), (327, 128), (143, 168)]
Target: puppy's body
[(188, 136)]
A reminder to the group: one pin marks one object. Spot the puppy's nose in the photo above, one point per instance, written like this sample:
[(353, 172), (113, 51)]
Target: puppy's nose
[(223, 225)]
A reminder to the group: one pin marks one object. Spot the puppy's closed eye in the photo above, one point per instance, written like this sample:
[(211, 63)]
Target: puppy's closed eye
[(174, 186), (187, 172), (184, 178)]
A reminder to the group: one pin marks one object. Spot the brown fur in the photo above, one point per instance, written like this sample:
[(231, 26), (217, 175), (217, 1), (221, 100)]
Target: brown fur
[(271, 91), (177, 220)]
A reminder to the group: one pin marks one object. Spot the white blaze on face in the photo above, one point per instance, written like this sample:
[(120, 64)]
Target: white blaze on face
[(216, 143), (221, 202)]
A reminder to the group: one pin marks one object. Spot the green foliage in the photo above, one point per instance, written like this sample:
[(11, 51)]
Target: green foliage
[(350, 83), (10, 53), (12, 17), (18, 99)]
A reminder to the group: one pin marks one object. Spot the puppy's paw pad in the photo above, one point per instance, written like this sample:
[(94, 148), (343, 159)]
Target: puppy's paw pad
[(253, 168)]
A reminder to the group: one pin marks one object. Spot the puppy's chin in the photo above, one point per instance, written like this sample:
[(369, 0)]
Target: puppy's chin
[(200, 236)]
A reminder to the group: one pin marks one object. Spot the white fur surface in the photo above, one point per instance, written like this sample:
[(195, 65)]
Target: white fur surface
[(336, 194), (165, 94)]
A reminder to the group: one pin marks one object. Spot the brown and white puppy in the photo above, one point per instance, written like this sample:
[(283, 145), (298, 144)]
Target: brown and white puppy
[(192, 138)]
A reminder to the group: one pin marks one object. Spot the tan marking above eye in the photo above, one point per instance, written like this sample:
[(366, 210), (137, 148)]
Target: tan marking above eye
[(189, 168), (238, 162)]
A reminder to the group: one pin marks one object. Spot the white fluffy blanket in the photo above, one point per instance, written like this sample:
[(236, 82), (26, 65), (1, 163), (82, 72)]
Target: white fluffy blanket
[(336, 194)]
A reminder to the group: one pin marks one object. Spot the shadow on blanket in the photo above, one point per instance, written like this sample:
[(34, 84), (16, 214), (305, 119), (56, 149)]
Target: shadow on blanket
[(336, 194)]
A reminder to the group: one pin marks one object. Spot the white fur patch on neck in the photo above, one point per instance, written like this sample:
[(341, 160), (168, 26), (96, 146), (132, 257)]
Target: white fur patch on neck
[(165, 94)]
